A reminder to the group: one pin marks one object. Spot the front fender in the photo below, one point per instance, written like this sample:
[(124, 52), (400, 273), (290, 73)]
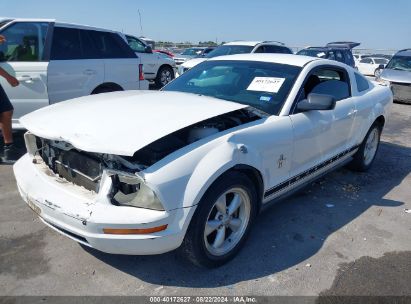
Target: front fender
[(219, 160)]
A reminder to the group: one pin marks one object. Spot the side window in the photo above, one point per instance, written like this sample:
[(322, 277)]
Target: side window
[(362, 83), (24, 41), (273, 49), (366, 60), (260, 49), (339, 56), (328, 81), (66, 44), (136, 45), (111, 45), (349, 57), (87, 45)]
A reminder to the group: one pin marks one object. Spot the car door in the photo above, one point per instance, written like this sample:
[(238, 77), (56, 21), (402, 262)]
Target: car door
[(121, 64), (322, 135), (24, 55), (150, 60), (73, 70), (366, 67)]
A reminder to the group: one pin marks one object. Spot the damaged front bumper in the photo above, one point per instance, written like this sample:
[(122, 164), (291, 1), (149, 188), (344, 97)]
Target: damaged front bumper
[(82, 215)]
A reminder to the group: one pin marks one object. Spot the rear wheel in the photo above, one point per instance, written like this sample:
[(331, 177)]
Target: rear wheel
[(363, 159), (222, 221), (106, 89), (164, 76)]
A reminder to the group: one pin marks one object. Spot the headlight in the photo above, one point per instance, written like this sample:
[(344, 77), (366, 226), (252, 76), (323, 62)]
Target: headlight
[(383, 81), (180, 70), (130, 190)]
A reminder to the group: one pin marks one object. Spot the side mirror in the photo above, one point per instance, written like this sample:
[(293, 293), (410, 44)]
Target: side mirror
[(316, 102), (148, 49), (381, 67)]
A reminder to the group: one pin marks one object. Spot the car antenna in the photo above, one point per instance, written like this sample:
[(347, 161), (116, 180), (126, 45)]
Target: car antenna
[(141, 25)]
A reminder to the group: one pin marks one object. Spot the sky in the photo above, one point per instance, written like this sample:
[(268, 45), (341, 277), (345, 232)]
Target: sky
[(376, 24)]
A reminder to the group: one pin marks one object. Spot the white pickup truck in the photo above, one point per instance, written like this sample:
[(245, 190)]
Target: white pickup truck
[(157, 67)]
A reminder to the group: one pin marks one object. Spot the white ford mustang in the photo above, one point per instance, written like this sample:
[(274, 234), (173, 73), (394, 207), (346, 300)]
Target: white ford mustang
[(192, 165)]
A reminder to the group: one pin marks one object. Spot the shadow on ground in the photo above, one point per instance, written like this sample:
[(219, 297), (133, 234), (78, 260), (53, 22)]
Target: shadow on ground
[(389, 275), (287, 233)]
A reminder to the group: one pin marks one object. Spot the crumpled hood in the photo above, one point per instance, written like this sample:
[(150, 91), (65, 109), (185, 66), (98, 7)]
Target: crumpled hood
[(396, 76), (193, 62), (121, 123)]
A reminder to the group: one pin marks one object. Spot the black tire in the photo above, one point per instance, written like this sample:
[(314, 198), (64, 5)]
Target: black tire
[(360, 162), (164, 75), (194, 244), (106, 89), (377, 72)]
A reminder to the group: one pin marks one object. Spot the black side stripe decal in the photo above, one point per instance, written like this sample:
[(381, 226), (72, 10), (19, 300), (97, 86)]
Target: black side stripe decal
[(307, 173)]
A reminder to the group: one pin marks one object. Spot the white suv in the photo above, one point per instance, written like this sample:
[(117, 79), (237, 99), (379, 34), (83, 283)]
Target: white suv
[(157, 67), (59, 61), (238, 47)]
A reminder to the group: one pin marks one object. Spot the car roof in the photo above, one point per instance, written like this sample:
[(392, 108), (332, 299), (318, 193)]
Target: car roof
[(253, 43), (405, 52), (289, 59), (326, 48), (63, 24), (243, 42), (376, 57), (27, 19)]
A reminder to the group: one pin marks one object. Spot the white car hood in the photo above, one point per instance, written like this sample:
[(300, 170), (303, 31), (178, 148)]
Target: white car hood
[(122, 123), (193, 62)]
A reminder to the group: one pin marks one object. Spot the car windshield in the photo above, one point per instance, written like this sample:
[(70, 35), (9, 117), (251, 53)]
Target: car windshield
[(262, 85), (191, 52), (380, 61), (230, 50), (313, 53), (401, 63)]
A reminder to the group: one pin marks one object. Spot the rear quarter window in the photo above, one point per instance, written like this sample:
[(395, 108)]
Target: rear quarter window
[(111, 45), (362, 83)]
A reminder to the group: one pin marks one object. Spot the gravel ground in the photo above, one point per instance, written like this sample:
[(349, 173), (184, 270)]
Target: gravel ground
[(359, 245)]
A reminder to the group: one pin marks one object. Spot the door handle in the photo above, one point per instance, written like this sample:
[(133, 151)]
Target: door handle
[(26, 78), (352, 112), (89, 72)]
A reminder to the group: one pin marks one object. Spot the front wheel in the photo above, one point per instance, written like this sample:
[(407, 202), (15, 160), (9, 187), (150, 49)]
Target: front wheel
[(377, 73), (222, 221), (364, 157)]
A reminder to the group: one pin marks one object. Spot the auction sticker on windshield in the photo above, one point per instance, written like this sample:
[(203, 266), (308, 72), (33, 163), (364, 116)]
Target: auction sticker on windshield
[(266, 84)]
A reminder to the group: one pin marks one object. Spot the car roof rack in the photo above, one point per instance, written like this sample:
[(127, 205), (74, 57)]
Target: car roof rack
[(343, 44), (404, 50), (279, 42)]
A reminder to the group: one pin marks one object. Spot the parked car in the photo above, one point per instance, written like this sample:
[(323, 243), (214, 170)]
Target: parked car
[(358, 57), (237, 47), (397, 74), (338, 51), (58, 61), (157, 68), (188, 54), (168, 53), (217, 145), (371, 65)]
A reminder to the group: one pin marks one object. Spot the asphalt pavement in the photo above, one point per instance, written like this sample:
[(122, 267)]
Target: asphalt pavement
[(346, 234)]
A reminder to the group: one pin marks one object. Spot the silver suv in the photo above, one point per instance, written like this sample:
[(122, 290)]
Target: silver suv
[(238, 47), (397, 74)]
